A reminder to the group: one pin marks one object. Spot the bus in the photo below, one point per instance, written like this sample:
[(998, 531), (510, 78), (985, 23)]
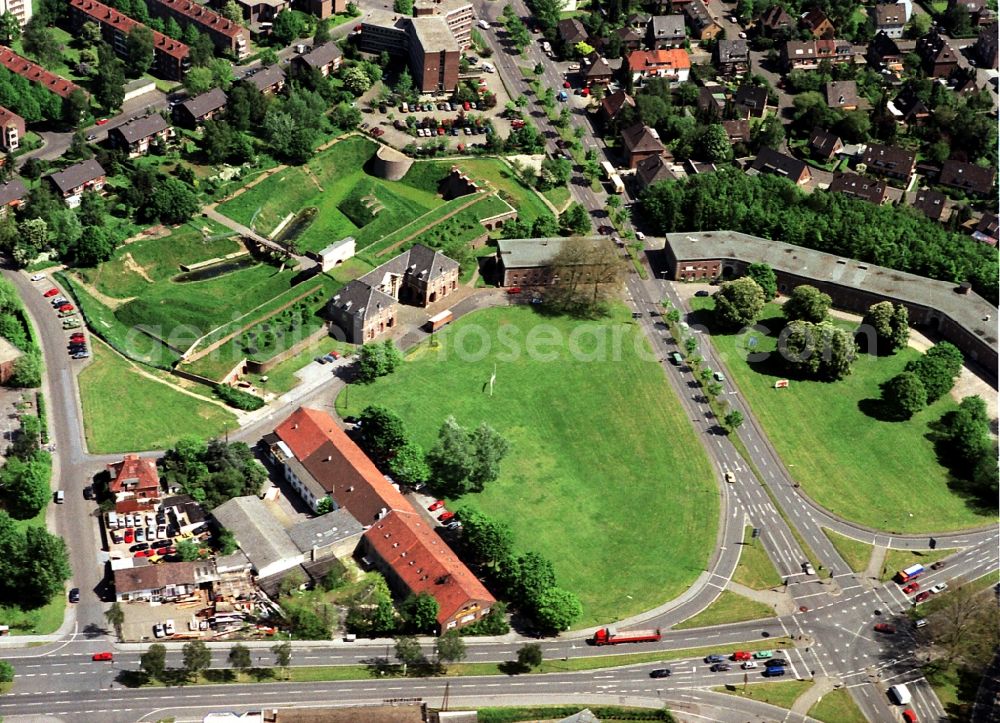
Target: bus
[(617, 185), (910, 573), (608, 169)]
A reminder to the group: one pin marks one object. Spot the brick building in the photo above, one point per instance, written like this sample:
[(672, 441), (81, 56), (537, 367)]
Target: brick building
[(134, 478), (640, 142), (227, 36), (12, 129), (325, 58), (770, 161), (528, 262), (428, 43), (37, 74)]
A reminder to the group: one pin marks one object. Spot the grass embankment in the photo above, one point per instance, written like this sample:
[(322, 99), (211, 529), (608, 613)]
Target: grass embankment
[(856, 554), (896, 560), (727, 608), (783, 694), (806, 423), (837, 706), (601, 452), (755, 568), (154, 416)]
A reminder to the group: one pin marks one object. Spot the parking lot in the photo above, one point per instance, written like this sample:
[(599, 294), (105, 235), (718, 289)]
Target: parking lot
[(142, 617)]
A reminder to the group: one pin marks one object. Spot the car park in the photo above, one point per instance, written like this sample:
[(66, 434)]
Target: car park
[(911, 588), (660, 673), (720, 668), (714, 658), (74, 595), (939, 588)]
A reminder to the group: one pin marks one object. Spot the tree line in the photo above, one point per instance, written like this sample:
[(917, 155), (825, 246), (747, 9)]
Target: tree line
[(212, 472), (14, 328)]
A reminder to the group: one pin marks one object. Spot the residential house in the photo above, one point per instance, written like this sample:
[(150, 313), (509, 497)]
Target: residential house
[(195, 111), (799, 55), (817, 23), (640, 142), (712, 99), (890, 19), (571, 32), (750, 101), (968, 177), (979, 12), (325, 58), (137, 136), (597, 71), (964, 81), (912, 110), (631, 38), (836, 51), (134, 477), (738, 131), (653, 169), (776, 21), (161, 583), (367, 306), (770, 161), (12, 195), (12, 130), (70, 183), (666, 31), (930, 203), (986, 46), (732, 57), (866, 189), (823, 144), (612, 104), (987, 229), (905, 5), (674, 64), (938, 57), (258, 12), (699, 17), (890, 161), (267, 81), (883, 52), (842, 94)]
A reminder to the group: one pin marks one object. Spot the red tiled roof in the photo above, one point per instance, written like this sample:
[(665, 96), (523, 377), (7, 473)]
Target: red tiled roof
[(8, 116), (134, 473), (208, 19), (36, 73), (305, 430), (426, 564), (676, 58), (123, 23)]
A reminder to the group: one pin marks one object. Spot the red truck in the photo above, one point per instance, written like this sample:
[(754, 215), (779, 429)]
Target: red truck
[(611, 636)]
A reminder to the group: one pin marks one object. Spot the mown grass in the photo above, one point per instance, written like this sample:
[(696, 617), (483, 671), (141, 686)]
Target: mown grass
[(155, 416), (856, 554), (755, 568), (729, 607), (837, 706), (604, 475), (882, 474), (782, 694), (896, 560)]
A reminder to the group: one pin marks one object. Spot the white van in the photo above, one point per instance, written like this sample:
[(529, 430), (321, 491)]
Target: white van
[(112, 520), (60, 497), (483, 24), (899, 694), (489, 68)]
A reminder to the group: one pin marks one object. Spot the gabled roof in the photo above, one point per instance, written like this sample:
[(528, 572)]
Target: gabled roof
[(867, 189), (77, 175), (140, 128), (418, 262), (599, 68), (667, 27), (891, 158), (155, 577), (732, 51), (321, 55), (887, 15), (359, 298), (800, 49), (325, 530), (641, 138), (737, 130), (204, 17), (652, 60), (614, 102), (202, 105), (8, 116), (751, 96), (37, 74), (698, 15), (930, 203), (653, 170), (936, 50), (814, 18), (571, 31), (11, 191), (967, 176), (135, 473), (425, 564), (264, 541), (779, 164), (883, 47), (267, 78), (775, 18), (841, 93), (106, 15), (824, 142)]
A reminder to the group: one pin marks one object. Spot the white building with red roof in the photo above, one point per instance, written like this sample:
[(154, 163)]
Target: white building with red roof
[(134, 478)]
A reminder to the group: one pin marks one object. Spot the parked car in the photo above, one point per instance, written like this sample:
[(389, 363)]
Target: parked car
[(60, 497), (719, 376), (437, 505), (74, 595), (138, 547), (761, 654), (749, 665), (38, 277), (445, 516), (911, 588), (50, 293), (921, 623), (129, 536), (158, 630), (885, 628), (721, 668), (701, 292), (106, 656), (773, 672), (168, 627), (660, 673), (81, 355), (101, 121), (776, 663), (921, 597), (88, 493), (67, 307), (140, 534), (940, 587), (741, 655)]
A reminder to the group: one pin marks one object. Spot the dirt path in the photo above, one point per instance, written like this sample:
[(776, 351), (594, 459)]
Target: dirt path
[(132, 265), (109, 301), (309, 174)]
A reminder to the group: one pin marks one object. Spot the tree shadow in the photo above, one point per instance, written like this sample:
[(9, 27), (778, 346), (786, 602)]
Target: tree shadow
[(132, 678), (261, 674), (93, 631), (219, 675), (512, 667), (879, 410)]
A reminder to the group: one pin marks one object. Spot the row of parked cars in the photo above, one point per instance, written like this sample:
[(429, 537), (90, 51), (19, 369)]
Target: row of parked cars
[(77, 342)]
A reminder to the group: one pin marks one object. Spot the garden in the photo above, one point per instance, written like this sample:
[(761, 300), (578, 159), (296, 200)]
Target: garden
[(604, 471)]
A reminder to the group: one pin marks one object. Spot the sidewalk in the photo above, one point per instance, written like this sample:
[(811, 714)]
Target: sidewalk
[(782, 602), (821, 686)]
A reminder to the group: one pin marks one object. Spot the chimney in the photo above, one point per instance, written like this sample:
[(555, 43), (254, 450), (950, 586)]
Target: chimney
[(964, 287)]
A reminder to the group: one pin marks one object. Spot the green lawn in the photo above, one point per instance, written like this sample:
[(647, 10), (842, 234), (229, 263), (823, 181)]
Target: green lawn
[(154, 417), (837, 706), (896, 560), (856, 554), (882, 474), (783, 694), (727, 608), (604, 476), (755, 568)]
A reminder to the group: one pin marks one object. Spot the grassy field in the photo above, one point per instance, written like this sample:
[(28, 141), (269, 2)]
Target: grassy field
[(783, 694), (896, 560), (883, 474), (856, 554), (837, 706), (727, 608), (604, 476), (154, 417), (755, 568)]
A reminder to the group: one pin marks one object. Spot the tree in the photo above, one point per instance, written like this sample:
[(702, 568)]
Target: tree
[(109, 82), (420, 612), (765, 278), (6, 669), (488, 449), (807, 303), (734, 419), (154, 661), (324, 506), (819, 350), (920, 23), (377, 359), (408, 650), (198, 80), (714, 145), (231, 11), (938, 369), (575, 220), (10, 28), (26, 485), (202, 51), (891, 324), (75, 107), (345, 116), (139, 50), (965, 435), (739, 303), (449, 648), (239, 658), (322, 34), (527, 576), (408, 465), (384, 431), (172, 28), (529, 655), (187, 550), (451, 459), (94, 246), (115, 617), (904, 395), (197, 657), (489, 541), (174, 201), (282, 655), (356, 80), (40, 42), (403, 7), (557, 609)]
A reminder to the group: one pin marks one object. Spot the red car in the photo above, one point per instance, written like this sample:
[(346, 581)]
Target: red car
[(50, 293), (66, 307), (585, 92), (742, 655), (885, 628), (436, 505), (103, 656), (514, 290), (912, 587), (144, 553), (165, 550), (921, 597), (102, 121), (335, 354), (129, 533), (909, 716), (566, 84), (445, 516)]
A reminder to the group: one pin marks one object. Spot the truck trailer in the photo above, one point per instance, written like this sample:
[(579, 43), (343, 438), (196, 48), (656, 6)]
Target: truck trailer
[(612, 636), (439, 320)]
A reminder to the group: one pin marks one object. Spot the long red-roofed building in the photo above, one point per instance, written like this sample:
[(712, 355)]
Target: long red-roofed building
[(37, 74), (319, 460), (170, 57), (225, 34)]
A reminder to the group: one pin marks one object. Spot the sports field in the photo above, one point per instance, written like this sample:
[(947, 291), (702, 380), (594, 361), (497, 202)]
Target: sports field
[(604, 476)]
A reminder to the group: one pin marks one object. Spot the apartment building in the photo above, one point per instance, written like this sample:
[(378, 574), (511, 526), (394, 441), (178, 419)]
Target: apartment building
[(20, 9), (170, 57), (227, 36), (11, 129), (458, 15), (429, 45), (37, 74)]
